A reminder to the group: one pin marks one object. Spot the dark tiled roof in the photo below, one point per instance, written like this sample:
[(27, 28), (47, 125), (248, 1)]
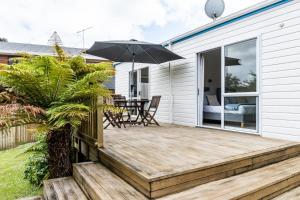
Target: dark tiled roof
[(12, 48)]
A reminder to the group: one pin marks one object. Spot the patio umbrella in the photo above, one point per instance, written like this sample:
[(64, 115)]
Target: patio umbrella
[(232, 61), (132, 51)]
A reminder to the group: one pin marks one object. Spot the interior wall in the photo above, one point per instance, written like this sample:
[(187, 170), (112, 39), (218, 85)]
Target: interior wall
[(212, 71)]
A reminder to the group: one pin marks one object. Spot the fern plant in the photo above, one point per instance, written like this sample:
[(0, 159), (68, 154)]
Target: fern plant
[(36, 167), (54, 92)]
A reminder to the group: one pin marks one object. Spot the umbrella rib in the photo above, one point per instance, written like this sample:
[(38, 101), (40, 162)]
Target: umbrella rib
[(123, 53), (156, 62)]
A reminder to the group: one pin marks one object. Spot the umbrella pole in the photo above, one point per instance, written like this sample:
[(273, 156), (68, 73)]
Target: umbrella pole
[(132, 75)]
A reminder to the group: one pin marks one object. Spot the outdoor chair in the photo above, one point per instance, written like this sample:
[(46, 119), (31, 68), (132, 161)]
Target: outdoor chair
[(116, 96), (114, 119), (124, 112), (149, 114), (128, 110)]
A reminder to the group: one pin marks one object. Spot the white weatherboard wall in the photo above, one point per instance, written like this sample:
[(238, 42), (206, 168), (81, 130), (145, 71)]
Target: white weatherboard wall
[(278, 31)]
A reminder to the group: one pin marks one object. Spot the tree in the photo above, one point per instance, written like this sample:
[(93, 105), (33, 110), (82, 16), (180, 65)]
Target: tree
[(233, 83), (54, 92), (251, 83), (3, 39)]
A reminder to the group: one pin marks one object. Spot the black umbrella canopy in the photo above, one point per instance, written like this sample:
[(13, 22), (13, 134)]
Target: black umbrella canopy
[(132, 50), (232, 61)]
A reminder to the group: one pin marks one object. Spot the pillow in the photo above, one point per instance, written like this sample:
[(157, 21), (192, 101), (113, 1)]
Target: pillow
[(212, 100), (205, 101)]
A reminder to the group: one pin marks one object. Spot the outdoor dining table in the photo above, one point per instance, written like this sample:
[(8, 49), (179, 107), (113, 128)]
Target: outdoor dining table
[(138, 104)]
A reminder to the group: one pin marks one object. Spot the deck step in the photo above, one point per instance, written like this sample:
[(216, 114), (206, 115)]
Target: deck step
[(263, 183), (62, 189), (32, 198), (98, 182), (173, 183), (293, 194)]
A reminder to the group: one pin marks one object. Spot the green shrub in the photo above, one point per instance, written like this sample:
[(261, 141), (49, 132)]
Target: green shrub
[(36, 168)]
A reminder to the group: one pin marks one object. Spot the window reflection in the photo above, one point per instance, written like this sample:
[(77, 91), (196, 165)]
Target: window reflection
[(240, 67)]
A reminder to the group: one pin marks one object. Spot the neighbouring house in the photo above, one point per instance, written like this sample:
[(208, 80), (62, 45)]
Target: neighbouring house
[(10, 50), (240, 73)]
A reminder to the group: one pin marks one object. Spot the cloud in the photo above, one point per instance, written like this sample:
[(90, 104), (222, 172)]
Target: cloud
[(34, 21)]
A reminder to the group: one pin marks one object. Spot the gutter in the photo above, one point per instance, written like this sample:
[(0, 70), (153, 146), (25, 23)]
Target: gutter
[(243, 14), (225, 21)]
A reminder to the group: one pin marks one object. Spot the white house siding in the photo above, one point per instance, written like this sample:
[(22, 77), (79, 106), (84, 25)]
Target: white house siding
[(122, 79), (281, 78), (278, 30)]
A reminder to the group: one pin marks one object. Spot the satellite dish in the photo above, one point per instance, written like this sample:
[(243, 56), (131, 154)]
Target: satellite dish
[(214, 8)]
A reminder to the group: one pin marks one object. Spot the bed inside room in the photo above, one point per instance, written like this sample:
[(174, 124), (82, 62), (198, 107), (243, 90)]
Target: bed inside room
[(212, 88), (239, 110)]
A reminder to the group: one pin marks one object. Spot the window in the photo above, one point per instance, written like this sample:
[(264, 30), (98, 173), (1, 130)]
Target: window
[(139, 86), (240, 67), (240, 112), (240, 86), (145, 75), (133, 86)]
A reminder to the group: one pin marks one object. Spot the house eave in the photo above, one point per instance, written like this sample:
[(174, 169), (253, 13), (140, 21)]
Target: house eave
[(235, 17)]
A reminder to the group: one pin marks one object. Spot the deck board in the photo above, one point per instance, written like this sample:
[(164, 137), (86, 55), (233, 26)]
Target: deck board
[(256, 184), (62, 189), (168, 159), (99, 183), (160, 151), (293, 194)]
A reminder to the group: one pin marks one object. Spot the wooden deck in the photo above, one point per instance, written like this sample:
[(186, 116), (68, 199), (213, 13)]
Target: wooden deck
[(167, 159), (294, 194), (263, 183), (98, 182), (62, 188)]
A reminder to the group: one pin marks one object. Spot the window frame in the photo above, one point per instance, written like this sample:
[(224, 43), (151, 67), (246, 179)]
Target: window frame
[(228, 94), (242, 94)]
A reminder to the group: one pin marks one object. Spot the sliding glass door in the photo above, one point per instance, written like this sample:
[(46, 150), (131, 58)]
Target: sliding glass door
[(133, 86), (228, 96), (211, 88), (240, 88), (140, 85)]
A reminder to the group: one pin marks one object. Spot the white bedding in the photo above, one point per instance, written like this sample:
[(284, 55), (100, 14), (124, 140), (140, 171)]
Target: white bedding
[(243, 109), (212, 109)]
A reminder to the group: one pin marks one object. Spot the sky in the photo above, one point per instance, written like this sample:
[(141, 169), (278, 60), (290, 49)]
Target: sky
[(33, 21)]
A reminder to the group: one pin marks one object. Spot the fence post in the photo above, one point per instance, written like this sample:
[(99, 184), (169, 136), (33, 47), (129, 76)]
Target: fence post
[(100, 139)]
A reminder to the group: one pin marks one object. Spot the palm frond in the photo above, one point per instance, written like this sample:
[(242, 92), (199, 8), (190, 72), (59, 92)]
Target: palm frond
[(51, 90), (68, 114), (16, 114)]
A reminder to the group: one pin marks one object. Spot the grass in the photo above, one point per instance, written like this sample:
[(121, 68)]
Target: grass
[(12, 182)]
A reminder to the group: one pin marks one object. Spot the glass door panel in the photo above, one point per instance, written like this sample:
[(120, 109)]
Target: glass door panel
[(240, 67), (134, 85), (140, 84), (211, 88), (240, 112), (144, 83), (240, 85)]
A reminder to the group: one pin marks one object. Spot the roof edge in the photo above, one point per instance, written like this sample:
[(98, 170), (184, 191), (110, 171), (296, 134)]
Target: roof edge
[(45, 45), (16, 52), (237, 16)]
